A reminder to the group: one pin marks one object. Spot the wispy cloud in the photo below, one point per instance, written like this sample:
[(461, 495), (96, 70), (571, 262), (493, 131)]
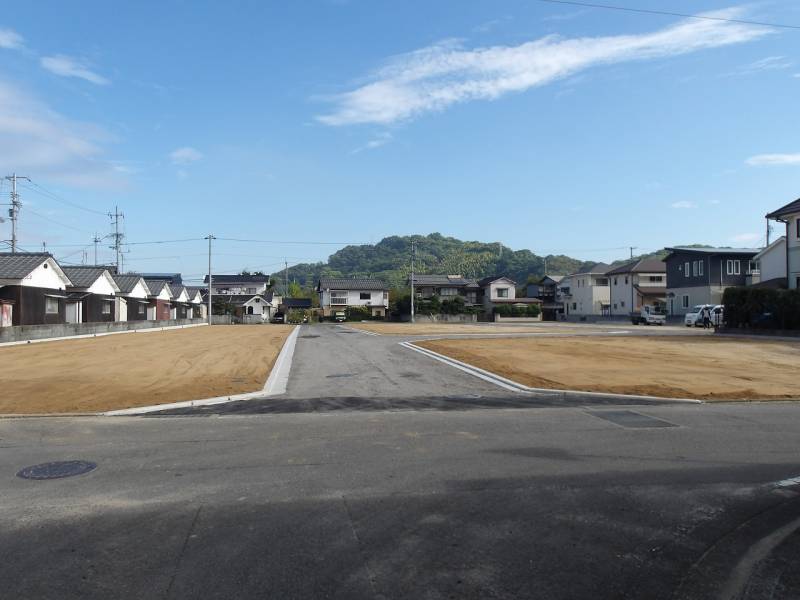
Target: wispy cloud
[(36, 139), (745, 238), (566, 16), (10, 39), (379, 140), (434, 78), (770, 63), (488, 26), (683, 204), (67, 66), (185, 156), (771, 160)]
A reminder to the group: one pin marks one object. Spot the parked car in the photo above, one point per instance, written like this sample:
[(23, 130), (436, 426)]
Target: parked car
[(278, 317), (649, 315), (693, 318), (339, 316)]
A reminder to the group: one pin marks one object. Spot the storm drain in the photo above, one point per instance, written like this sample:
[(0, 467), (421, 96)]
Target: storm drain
[(57, 470), (628, 418)]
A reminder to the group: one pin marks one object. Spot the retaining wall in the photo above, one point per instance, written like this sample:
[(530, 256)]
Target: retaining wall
[(23, 333)]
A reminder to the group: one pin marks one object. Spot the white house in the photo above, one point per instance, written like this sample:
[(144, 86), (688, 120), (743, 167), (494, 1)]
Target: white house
[(790, 215), (498, 291), (132, 299), (587, 292), (199, 304), (768, 267), (32, 288), (92, 295), (160, 297), (238, 285), (635, 284), (336, 295)]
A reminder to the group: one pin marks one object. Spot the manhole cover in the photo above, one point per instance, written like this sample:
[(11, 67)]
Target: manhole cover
[(57, 470)]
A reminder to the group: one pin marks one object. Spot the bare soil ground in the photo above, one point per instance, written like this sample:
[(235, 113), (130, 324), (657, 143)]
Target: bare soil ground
[(137, 369), (679, 367), (457, 328)]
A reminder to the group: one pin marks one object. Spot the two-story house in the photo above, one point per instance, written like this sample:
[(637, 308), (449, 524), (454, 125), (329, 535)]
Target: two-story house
[(768, 269), (445, 287), (548, 290), (635, 284), (336, 295), (498, 291), (790, 215), (238, 285), (586, 293), (700, 275)]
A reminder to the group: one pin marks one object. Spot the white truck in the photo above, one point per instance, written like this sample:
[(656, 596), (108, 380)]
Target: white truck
[(648, 315)]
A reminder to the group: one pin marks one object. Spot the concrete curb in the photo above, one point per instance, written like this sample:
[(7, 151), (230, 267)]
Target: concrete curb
[(276, 384), (93, 335), (509, 384)]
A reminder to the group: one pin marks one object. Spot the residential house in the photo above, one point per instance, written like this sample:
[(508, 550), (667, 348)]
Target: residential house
[(160, 297), (700, 275), (248, 306), (132, 299), (498, 291), (198, 301), (635, 284), (34, 286), (336, 295), (548, 290), (170, 278), (587, 293), (768, 268), (180, 307), (238, 284), (790, 216), (445, 287), (92, 296)]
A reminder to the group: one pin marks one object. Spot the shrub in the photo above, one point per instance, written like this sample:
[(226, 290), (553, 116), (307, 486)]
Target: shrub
[(761, 308)]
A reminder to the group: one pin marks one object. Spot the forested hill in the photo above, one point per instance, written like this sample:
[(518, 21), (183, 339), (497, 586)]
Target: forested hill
[(389, 260)]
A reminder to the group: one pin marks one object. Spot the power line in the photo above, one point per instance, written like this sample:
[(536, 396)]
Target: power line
[(48, 194), (668, 13), (292, 242), (46, 218)]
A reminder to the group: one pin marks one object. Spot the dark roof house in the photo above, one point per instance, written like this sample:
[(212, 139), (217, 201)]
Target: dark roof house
[(230, 279), (330, 283), (648, 265), (784, 211)]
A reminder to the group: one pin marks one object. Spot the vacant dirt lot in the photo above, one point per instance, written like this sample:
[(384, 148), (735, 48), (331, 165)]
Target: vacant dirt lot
[(680, 367), (137, 369)]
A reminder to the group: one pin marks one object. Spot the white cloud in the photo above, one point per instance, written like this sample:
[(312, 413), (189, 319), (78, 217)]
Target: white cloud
[(43, 144), (380, 140), (66, 66), (770, 63), (185, 156), (10, 39), (436, 77), (683, 204), (747, 237), (769, 160)]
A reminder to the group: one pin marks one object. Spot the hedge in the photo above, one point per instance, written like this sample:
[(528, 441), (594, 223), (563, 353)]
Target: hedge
[(761, 308), (505, 310)]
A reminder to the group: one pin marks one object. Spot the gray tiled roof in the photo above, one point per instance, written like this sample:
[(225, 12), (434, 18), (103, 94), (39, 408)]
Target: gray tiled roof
[(83, 277), (595, 268), (223, 279), (444, 280), (126, 283), (156, 285), (650, 265), (19, 265), (329, 283), (488, 280)]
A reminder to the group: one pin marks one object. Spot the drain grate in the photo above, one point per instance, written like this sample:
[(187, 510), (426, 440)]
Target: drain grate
[(57, 470), (628, 418)]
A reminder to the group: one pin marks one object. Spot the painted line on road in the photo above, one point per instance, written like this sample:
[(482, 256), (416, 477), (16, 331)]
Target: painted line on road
[(509, 384), (103, 334), (276, 384), (364, 331)]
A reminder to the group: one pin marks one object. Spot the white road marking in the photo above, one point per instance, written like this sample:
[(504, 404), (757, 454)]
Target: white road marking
[(275, 384)]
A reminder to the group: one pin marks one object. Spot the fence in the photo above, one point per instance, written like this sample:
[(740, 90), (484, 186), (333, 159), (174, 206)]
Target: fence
[(22, 333)]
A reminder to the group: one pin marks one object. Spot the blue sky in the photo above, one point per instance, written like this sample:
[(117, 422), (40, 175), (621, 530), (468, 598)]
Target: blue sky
[(552, 127)]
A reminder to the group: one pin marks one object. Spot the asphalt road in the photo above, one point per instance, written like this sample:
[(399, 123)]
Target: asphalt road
[(375, 498)]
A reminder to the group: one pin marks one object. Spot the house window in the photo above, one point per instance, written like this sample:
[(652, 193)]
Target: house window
[(365, 296), (615, 283), (339, 298), (656, 278), (622, 303), (694, 268), (502, 292), (602, 282), (685, 301), (797, 227), (249, 310), (615, 306), (51, 305), (734, 267), (448, 292), (626, 280), (574, 305), (686, 269), (700, 264), (106, 307), (139, 308)]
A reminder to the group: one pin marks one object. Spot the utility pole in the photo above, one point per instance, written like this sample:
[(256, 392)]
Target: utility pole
[(13, 212), (545, 266), (117, 247), (285, 278), (633, 303), (209, 237), (412, 280), (96, 240)]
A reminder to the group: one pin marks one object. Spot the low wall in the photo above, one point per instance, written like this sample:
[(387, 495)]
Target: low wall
[(499, 319), (221, 319), (441, 318), (21, 333)]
